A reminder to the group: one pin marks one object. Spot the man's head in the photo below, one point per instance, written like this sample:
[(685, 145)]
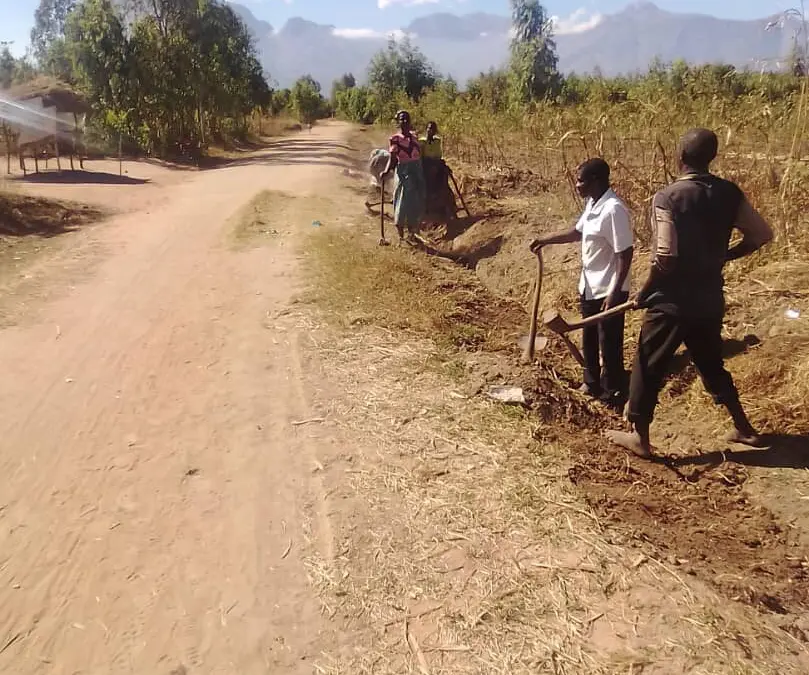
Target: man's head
[(432, 129), (593, 178), (403, 120), (698, 148)]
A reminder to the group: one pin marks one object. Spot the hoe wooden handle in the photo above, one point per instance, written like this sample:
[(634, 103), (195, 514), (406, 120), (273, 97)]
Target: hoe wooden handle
[(382, 209), (528, 354), (598, 318)]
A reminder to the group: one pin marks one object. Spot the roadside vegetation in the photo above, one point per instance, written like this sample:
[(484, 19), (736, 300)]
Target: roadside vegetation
[(587, 561), (516, 135), (512, 539)]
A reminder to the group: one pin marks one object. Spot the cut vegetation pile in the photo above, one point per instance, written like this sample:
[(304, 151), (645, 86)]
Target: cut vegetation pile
[(21, 215)]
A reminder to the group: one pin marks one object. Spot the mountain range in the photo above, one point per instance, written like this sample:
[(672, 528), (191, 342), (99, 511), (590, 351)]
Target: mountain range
[(465, 45)]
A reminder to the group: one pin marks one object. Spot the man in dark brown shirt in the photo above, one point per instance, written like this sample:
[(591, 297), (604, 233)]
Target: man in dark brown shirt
[(692, 220)]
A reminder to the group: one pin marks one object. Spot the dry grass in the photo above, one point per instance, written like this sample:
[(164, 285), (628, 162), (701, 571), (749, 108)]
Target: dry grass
[(471, 552), (761, 133), (386, 297), (771, 369), (523, 198), (771, 375), (519, 166), (271, 214)]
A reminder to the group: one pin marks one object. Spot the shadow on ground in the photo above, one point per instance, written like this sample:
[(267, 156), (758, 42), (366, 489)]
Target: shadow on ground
[(56, 177), (290, 152), (784, 451), (684, 373)]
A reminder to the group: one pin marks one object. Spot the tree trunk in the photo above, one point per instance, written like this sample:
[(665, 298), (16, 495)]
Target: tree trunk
[(7, 141), (74, 136)]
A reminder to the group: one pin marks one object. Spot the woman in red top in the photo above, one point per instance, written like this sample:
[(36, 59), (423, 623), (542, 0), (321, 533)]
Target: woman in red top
[(409, 193)]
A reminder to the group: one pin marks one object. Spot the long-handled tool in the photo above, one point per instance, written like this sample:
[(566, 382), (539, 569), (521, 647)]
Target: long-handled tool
[(382, 240), (460, 196), (555, 322), (530, 344)]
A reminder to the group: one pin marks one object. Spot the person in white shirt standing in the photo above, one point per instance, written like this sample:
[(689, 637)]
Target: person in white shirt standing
[(607, 246)]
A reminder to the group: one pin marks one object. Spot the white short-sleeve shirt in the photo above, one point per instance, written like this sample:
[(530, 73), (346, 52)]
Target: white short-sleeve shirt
[(606, 229)]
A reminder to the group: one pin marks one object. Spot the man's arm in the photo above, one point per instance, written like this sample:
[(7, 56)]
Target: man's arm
[(566, 237), (618, 231), (624, 265), (756, 232), (664, 247)]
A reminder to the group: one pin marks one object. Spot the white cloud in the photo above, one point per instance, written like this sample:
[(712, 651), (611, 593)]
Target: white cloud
[(367, 33), (382, 4), (579, 21)]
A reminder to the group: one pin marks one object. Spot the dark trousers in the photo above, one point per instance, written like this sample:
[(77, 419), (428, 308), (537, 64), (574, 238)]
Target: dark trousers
[(660, 337), (603, 350)]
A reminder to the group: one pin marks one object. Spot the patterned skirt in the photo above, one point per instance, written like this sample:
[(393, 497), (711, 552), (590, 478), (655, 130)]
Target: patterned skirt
[(409, 196)]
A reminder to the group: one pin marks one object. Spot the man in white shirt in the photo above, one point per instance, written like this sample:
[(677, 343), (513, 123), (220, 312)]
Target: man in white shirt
[(605, 233)]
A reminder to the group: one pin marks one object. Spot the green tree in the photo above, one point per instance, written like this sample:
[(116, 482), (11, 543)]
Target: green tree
[(347, 81), (8, 67), (98, 48), (171, 16), (50, 20), (280, 101), (355, 105), (490, 89), (97, 58), (180, 74), (24, 70), (401, 68), (306, 100), (533, 66)]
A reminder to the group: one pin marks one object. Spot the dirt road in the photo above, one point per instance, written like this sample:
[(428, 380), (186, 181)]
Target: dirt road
[(158, 503)]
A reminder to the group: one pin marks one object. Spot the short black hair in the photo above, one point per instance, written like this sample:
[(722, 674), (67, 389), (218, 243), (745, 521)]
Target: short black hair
[(698, 148), (595, 169)]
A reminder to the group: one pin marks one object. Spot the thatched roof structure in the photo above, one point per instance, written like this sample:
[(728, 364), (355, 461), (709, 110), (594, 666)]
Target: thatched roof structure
[(54, 94)]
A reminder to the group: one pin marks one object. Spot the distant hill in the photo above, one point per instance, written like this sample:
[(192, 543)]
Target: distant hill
[(628, 41), (463, 46)]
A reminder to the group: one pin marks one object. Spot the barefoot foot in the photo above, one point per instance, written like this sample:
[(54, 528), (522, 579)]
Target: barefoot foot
[(749, 440), (632, 442)]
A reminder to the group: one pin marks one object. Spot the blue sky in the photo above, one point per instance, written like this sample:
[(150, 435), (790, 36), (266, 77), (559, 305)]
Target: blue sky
[(384, 15)]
